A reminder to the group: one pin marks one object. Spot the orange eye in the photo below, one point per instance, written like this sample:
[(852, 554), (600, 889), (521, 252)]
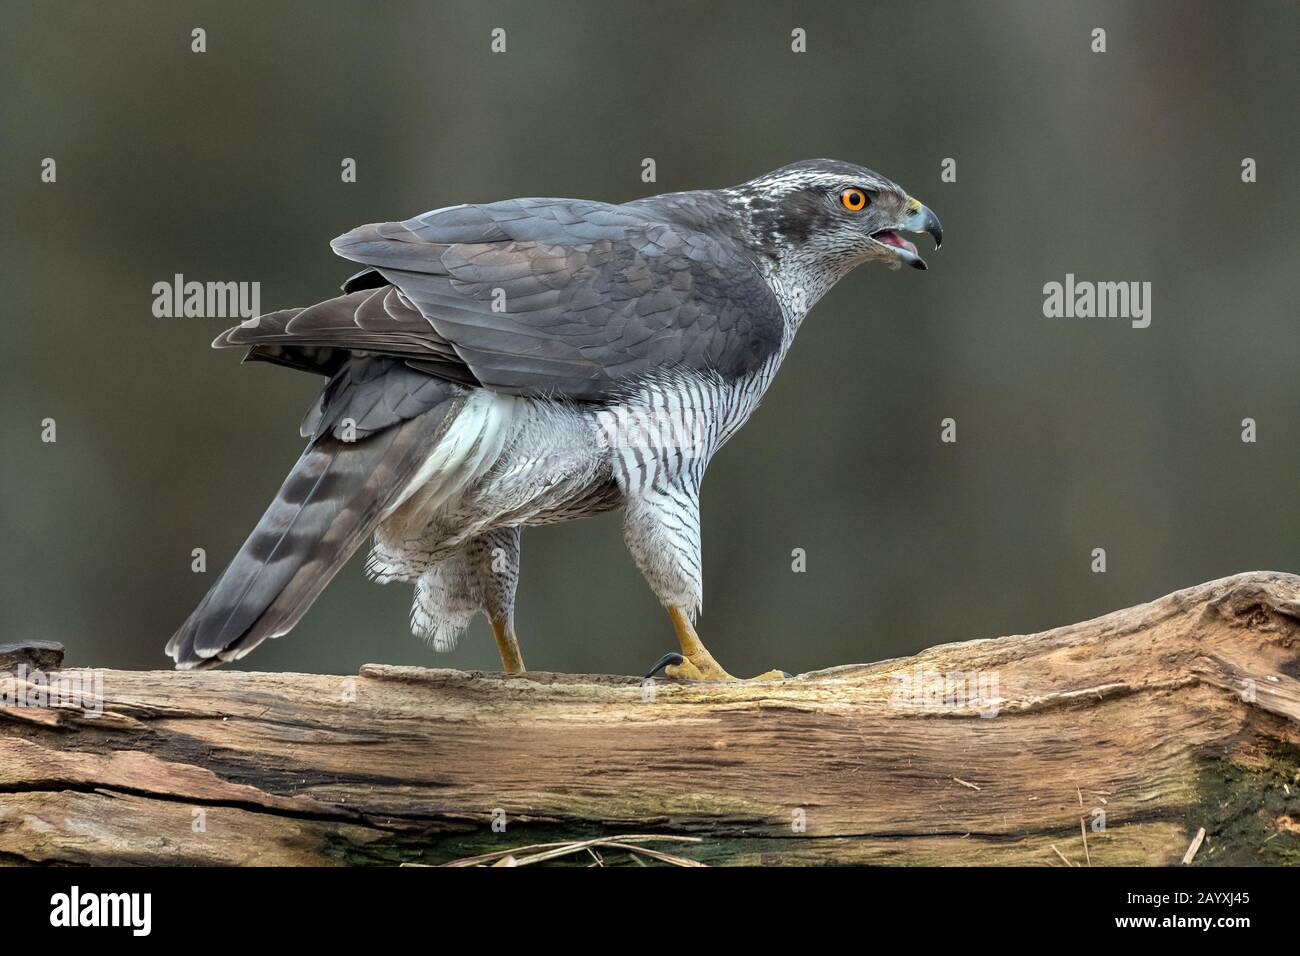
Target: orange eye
[(854, 200)]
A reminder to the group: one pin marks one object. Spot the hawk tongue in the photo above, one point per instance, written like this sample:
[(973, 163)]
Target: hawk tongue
[(894, 239)]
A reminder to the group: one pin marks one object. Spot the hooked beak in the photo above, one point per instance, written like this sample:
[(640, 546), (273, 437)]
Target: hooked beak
[(917, 219)]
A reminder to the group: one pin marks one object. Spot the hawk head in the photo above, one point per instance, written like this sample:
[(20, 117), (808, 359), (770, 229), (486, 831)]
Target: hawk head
[(826, 216)]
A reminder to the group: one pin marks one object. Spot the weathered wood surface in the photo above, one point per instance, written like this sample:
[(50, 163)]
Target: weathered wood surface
[(1167, 717)]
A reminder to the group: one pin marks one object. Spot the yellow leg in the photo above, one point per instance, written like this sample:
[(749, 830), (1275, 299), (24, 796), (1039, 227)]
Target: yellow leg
[(699, 663), (512, 661)]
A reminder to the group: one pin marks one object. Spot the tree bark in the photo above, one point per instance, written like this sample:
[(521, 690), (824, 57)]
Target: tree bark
[(1112, 741)]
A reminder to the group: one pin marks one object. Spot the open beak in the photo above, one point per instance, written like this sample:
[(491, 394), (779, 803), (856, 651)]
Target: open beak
[(918, 219)]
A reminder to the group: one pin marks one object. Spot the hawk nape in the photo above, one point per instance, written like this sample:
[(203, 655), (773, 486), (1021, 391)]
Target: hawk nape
[(517, 363)]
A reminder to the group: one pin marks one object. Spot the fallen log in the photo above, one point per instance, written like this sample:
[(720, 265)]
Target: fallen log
[(1113, 741)]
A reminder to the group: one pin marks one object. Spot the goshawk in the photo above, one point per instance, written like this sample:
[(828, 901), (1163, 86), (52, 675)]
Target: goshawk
[(506, 364)]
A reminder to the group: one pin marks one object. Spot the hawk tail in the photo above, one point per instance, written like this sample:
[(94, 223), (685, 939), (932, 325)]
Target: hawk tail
[(328, 505)]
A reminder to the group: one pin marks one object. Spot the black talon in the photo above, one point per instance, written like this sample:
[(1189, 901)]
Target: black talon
[(672, 657)]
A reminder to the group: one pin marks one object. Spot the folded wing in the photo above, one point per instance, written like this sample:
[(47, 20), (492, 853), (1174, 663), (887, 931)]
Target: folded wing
[(549, 297)]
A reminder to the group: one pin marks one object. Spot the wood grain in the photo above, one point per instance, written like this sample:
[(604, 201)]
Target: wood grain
[(1148, 723)]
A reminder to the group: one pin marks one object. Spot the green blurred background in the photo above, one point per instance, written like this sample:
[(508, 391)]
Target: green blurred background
[(1071, 435)]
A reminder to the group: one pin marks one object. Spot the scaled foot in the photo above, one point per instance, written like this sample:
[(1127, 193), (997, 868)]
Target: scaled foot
[(703, 667)]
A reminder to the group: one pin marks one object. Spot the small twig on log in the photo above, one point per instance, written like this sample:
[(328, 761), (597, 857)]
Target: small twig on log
[(553, 850), (654, 854)]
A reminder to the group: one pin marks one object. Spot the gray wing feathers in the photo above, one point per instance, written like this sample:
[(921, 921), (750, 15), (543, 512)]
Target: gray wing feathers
[(546, 296), (368, 395), (553, 297), (378, 319), (331, 501), (322, 337)]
